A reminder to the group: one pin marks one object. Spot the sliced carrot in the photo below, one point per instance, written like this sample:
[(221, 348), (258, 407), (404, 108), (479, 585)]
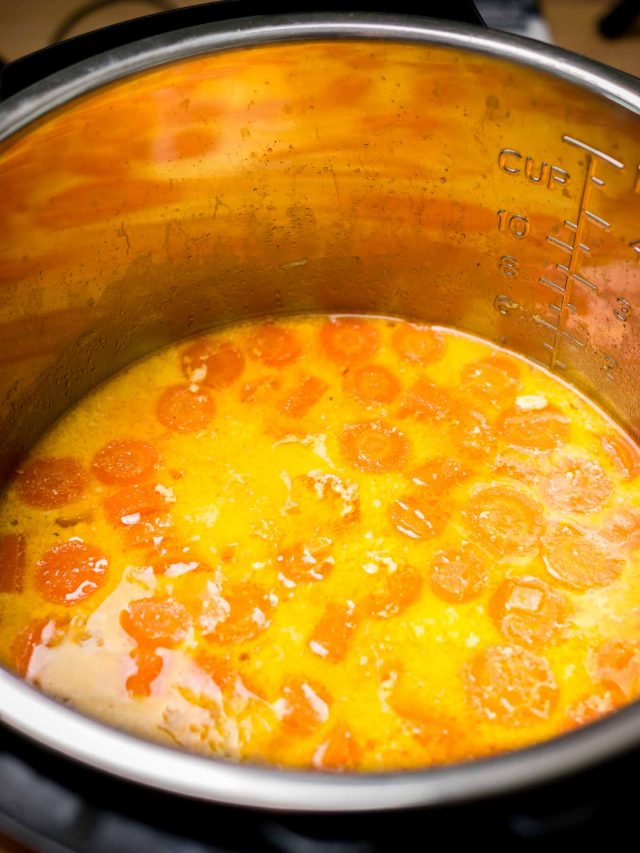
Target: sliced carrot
[(51, 483), (393, 593), (504, 519), (249, 611), (578, 485), (12, 562), (372, 383), (617, 665), (307, 706), (220, 670), (622, 527), (472, 434), (458, 574), (374, 447), (537, 431), (348, 340), (437, 476), (216, 365), (275, 345), (526, 610), (590, 708), (511, 686), (307, 394), (307, 561), (339, 752), (156, 622), (494, 379), (152, 531), (419, 516), (133, 504), (330, 639), (427, 401), (419, 344), (623, 452), (125, 460), (70, 572), (185, 408), (579, 561), (148, 668), (38, 633)]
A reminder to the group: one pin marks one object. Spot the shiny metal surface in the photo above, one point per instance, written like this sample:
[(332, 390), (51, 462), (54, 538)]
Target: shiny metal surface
[(346, 163)]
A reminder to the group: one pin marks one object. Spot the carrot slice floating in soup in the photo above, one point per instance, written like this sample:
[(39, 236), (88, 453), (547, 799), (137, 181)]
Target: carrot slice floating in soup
[(504, 519), (418, 516), (125, 460), (622, 528), (527, 611), (131, 505), (537, 431), (419, 344), (156, 622), (372, 383), (213, 364), (148, 668), (275, 345), (12, 562), (249, 610), (339, 751), (580, 485), (306, 562), (70, 572), (495, 379), (151, 531), (330, 639), (623, 453), (393, 593), (185, 408), (617, 665), (427, 401), (511, 686), (51, 483), (37, 633), (579, 561), (307, 394), (590, 708), (458, 574), (347, 340), (307, 704), (374, 447)]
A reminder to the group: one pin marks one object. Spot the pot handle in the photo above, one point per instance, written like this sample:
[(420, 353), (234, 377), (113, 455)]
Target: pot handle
[(20, 73)]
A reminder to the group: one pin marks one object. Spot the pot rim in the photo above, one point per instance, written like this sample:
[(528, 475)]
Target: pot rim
[(106, 749)]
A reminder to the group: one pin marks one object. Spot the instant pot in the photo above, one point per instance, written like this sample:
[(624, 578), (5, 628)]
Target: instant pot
[(342, 161)]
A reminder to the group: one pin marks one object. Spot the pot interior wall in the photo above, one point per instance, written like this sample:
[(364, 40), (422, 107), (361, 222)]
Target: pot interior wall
[(381, 177)]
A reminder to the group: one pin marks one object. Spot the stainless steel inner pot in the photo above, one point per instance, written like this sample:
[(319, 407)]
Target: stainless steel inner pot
[(322, 162)]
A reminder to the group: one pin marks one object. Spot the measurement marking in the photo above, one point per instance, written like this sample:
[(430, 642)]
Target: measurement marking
[(560, 244), (558, 308), (574, 275), (573, 340), (571, 225), (598, 220), (586, 283), (595, 151), (597, 181), (546, 324), (555, 307), (544, 280)]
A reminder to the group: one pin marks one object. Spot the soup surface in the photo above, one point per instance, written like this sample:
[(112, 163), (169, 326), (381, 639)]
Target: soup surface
[(336, 542)]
